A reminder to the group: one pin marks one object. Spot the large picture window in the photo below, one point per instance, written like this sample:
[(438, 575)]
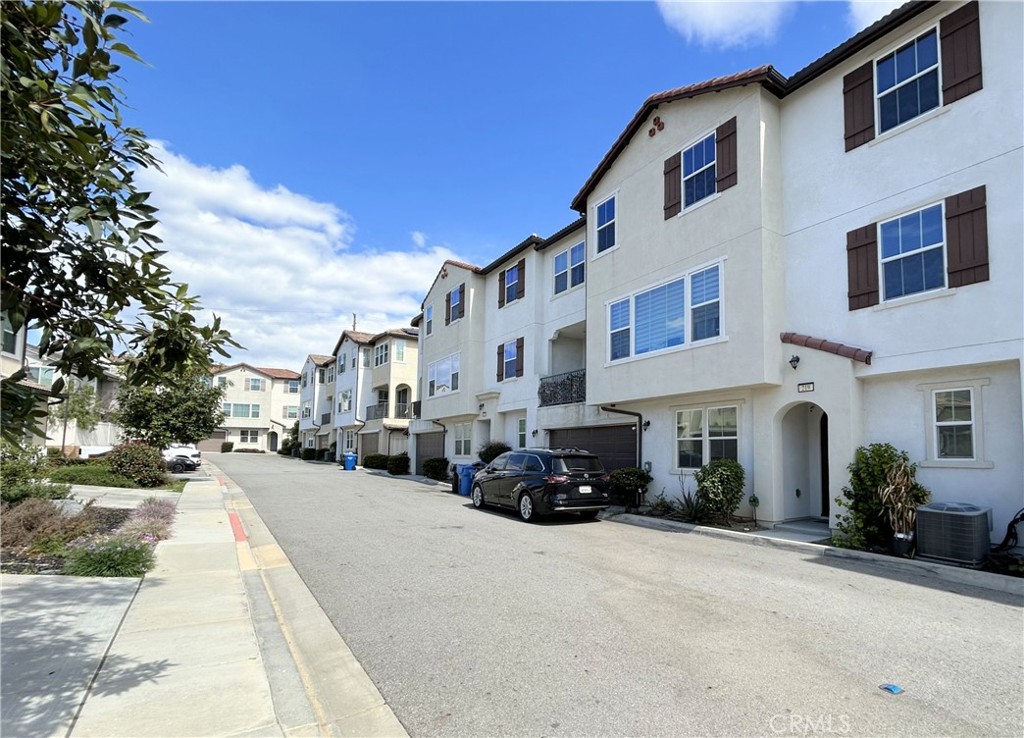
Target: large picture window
[(706, 434), (443, 376)]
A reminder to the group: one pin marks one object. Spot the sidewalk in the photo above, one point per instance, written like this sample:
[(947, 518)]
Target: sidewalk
[(222, 638)]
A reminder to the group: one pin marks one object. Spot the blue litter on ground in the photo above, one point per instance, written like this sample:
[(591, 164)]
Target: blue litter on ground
[(891, 688)]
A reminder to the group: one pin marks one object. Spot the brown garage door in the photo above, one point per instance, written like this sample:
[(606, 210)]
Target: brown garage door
[(213, 442), (615, 445), (370, 443), (428, 446)]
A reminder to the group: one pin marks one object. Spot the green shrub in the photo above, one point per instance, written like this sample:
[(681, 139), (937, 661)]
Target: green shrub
[(398, 464), (865, 524), (720, 488), (627, 482), (227, 447), (492, 450), (98, 475), (436, 468), (308, 454), (142, 464), (110, 556), (375, 461), (23, 473), (249, 451), (693, 509)]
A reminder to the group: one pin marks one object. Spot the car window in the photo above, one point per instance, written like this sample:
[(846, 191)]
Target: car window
[(577, 464), (515, 462), (499, 461), (533, 464)]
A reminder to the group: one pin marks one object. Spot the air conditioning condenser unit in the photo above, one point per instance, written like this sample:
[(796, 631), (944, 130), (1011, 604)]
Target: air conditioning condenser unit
[(954, 531)]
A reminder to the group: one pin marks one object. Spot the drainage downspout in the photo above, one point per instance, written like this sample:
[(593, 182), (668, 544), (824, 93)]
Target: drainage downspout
[(639, 430), (444, 429)]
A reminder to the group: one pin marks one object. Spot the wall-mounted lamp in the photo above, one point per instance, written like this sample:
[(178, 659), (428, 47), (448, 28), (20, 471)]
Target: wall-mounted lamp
[(481, 405), (794, 361), (534, 433), (647, 424)]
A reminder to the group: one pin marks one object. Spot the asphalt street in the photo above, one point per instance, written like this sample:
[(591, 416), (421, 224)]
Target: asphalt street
[(475, 624)]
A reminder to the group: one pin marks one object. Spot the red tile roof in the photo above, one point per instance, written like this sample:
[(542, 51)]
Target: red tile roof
[(832, 347)]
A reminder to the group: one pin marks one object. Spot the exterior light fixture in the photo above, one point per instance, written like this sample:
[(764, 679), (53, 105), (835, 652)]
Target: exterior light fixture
[(794, 361)]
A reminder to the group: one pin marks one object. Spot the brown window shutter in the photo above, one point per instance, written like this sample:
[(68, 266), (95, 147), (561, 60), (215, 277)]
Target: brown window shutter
[(462, 301), (725, 155), (673, 185), (501, 288), (961, 53), (862, 266), (521, 284), (447, 308), (501, 362), (859, 106), (967, 238), (519, 356)]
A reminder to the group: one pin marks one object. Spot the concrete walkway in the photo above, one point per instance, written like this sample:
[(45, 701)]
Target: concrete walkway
[(222, 638)]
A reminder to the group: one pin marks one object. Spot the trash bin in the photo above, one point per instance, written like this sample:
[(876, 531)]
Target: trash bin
[(466, 472), (350, 462)]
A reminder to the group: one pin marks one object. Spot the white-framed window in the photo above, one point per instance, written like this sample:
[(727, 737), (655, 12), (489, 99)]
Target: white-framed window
[(350, 440), (42, 375), (428, 319), (463, 439), (912, 252), (342, 363), (309, 443), (367, 357), (606, 225), (511, 283), (290, 411), (662, 318), (10, 338), (380, 353), (400, 351), (706, 434), (699, 171), (954, 423), (511, 357), (320, 376), (241, 410), (455, 298), (249, 436), (570, 268), (443, 376), (222, 382), (254, 385), (307, 409), (521, 432), (345, 402), (293, 386), (303, 379), (330, 375), (907, 81)]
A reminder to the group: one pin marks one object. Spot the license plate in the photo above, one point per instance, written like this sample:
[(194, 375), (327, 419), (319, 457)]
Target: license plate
[(585, 489)]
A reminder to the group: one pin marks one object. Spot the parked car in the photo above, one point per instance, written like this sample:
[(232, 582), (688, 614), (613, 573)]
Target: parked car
[(183, 449), (540, 481), (180, 464)]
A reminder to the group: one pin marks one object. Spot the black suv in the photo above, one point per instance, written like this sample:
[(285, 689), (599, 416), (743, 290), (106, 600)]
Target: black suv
[(539, 481)]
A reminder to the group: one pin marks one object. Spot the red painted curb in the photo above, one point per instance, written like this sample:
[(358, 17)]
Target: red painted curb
[(236, 527)]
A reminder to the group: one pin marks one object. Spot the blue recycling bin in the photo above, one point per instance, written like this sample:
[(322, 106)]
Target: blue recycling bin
[(350, 462), (465, 472)]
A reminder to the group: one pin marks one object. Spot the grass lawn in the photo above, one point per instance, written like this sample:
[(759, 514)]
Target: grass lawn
[(99, 475)]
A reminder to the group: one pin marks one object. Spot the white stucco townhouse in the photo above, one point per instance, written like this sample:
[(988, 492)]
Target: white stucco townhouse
[(260, 405), (353, 376), (316, 400)]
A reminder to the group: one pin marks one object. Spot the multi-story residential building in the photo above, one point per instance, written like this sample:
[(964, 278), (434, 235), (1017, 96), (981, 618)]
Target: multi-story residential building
[(260, 406), (777, 273), (390, 366), (316, 419), (13, 358), (354, 362)]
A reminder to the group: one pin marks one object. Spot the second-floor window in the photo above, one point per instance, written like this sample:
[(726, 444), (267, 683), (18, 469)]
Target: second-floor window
[(657, 319), (307, 409), (254, 385), (907, 81), (510, 359), (330, 375), (241, 410), (455, 304), (222, 382), (293, 386), (367, 357), (345, 403), (606, 225), (912, 253), (699, 171), (428, 319), (569, 268), (443, 376), (400, 351), (290, 411), (342, 363), (380, 354)]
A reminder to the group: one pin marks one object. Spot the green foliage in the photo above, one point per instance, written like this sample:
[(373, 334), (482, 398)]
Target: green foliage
[(98, 475), (489, 452), (398, 464), (36, 524), (23, 473), (867, 521), (308, 454), (78, 243), (720, 488), (183, 409), (375, 461), (80, 405), (142, 464), (249, 451), (227, 447), (436, 468), (627, 482), (116, 555), (693, 509)]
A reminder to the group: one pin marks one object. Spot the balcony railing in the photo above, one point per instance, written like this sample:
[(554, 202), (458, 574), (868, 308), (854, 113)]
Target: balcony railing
[(416, 409), (403, 409), (563, 389), (325, 419), (376, 412)]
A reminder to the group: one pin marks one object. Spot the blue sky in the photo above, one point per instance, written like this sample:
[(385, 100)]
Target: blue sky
[(324, 158)]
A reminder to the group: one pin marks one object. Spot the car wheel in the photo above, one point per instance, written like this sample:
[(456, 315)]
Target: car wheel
[(478, 497), (589, 514), (177, 467), (526, 511)]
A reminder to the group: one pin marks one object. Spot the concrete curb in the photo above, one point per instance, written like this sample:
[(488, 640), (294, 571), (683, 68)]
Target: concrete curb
[(911, 567)]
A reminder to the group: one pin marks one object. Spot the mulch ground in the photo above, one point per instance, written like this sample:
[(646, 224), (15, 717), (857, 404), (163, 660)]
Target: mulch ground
[(23, 561)]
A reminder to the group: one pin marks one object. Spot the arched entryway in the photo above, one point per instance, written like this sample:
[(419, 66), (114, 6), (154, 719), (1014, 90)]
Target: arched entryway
[(272, 440), (805, 477)]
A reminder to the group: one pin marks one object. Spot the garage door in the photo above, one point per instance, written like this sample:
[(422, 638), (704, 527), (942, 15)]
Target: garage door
[(213, 442), (370, 443), (615, 445), (428, 446)]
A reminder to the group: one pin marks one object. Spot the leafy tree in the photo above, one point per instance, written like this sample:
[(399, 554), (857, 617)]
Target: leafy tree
[(80, 260), (80, 405), (187, 410)]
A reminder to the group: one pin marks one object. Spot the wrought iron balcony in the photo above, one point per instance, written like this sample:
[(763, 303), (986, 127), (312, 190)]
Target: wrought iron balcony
[(416, 411), (378, 411), (563, 389), (403, 409)]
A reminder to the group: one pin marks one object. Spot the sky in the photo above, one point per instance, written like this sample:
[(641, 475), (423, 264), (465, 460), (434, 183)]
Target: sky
[(320, 160)]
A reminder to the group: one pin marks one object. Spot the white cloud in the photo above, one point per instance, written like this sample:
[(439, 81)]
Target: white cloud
[(419, 238), (280, 269), (725, 24), (862, 13)]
